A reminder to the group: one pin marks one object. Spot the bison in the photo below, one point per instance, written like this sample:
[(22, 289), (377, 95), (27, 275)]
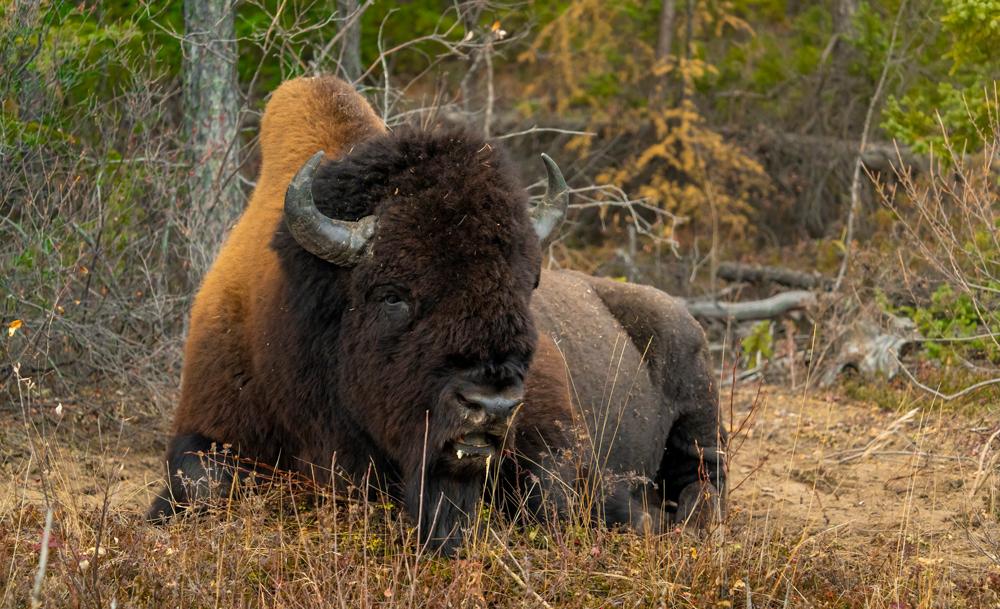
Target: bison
[(380, 305)]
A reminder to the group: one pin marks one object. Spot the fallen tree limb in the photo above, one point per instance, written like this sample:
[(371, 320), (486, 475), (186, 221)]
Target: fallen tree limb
[(769, 308), (949, 396), (738, 271)]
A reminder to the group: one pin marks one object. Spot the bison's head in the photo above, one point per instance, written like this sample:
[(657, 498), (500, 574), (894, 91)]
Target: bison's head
[(416, 256)]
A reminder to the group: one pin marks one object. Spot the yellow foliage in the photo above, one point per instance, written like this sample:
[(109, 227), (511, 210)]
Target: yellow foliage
[(13, 327), (675, 161)]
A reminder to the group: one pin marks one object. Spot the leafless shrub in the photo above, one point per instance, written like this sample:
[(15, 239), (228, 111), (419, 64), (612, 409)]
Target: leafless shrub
[(950, 221), (88, 219)]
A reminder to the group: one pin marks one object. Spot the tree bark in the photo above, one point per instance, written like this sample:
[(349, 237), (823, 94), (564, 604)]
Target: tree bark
[(211, 119), (843, 17), (665, 40), (350, 49)]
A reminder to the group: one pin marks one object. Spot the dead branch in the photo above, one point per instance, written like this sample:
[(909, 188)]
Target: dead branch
[(949, 396), (768, 308), (738, 271)]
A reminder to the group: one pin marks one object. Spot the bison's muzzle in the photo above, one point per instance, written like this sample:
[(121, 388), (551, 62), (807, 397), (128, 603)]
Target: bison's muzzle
[(484, 413)]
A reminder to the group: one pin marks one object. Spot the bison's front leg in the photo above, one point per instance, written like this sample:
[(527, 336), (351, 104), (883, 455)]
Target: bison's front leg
[(693, 472), (198, 469)]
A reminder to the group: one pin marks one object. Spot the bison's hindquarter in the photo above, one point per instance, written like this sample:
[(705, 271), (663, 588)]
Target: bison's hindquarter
[(640, 376)]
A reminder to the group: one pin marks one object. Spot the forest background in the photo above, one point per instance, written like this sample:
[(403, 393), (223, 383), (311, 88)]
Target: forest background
[(694, 133)]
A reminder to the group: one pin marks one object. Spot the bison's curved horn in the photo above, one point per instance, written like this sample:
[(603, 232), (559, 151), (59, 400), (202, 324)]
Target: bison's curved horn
[(337, 241), (548, 215)]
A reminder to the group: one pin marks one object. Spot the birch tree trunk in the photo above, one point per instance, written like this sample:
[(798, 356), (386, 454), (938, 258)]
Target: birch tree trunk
[(211, 113), (350, 50), (665, 40), (843, 16)]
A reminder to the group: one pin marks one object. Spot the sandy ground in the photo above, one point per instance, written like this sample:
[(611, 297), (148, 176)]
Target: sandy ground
[(849, 478), (864, 480)]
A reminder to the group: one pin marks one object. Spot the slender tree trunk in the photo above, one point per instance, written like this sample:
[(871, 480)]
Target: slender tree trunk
[(27, 82), (865, 129), (686, 51), (665, 41), (470, 12), (843, 16), (350, 49), (211, 113)]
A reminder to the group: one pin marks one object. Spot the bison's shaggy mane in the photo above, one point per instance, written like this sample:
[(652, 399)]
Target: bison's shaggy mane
[(460, 165)]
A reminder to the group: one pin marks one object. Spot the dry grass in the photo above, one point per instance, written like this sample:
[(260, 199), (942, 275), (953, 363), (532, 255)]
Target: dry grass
[(834, 504)]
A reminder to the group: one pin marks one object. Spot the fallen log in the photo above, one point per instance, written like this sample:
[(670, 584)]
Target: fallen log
[(768, 308), (753, 273)]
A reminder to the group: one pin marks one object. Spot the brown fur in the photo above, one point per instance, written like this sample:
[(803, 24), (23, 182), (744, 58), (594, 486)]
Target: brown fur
[(303, 115), (298, 363)]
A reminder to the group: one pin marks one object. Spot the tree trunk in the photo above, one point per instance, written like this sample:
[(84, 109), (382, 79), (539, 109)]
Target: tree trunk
[(843, 17), (350, 50), (735, 271), (665, 40), (211, 113), (27, 82)]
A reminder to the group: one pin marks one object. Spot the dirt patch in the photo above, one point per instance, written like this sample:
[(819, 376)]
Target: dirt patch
[(860, 476)]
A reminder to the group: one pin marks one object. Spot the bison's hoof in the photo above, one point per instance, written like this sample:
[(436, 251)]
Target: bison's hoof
[(699, 505)]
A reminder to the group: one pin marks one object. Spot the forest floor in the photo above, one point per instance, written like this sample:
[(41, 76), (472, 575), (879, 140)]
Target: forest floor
[(833, 503)]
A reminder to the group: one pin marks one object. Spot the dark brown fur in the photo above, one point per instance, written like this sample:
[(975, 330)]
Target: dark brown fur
[(296, 362)]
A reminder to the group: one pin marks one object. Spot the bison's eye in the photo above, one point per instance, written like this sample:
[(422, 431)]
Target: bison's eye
[(393, 303)]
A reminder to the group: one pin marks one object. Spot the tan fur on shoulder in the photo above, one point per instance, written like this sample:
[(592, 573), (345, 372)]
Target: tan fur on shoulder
[(303, 116)]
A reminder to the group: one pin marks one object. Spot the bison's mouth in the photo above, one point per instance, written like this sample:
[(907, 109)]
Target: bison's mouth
[(475, 446)]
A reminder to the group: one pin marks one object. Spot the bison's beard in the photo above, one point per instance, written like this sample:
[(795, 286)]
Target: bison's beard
[(444, 503)]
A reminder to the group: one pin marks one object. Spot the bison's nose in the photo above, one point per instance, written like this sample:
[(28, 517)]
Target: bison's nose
[(495, 404)]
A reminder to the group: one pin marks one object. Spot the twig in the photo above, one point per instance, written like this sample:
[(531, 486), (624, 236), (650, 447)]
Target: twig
[(952, 339), (904, 453), (876, 442), (942, 396), (742, 376), (490, 95), (349, 22), (43, 560), (517, 579), (537, 129), (981, 473)]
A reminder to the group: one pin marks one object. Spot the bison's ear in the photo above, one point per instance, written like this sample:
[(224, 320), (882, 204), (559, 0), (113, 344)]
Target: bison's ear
[(337, 241), (549, 214)]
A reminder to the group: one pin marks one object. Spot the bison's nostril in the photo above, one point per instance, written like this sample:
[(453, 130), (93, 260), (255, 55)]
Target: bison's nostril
[(493, 404)]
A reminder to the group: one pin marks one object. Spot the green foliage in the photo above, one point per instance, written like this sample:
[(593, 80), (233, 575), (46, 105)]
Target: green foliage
[(957, 62), (759, 344), (916, 118), (949, 316), (974, 29)]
